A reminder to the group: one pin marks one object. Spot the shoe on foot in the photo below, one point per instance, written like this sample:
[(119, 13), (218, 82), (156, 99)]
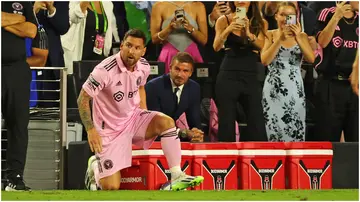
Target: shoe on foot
[(183, 182), (16, 184), (90, 182)]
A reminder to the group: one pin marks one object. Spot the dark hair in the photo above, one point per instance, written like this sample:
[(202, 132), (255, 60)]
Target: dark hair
[(182, 57), (285, 3), (254, 15), (136, 33)]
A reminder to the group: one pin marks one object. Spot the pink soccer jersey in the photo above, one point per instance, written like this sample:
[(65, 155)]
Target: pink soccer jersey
[(115, 94)]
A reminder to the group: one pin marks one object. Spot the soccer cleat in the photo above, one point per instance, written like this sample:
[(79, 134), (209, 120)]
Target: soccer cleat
[(17, 184), (183, 182), (90, 182)]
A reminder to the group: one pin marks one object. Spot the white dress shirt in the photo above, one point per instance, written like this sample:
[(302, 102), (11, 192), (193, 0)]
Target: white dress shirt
[(178, 93)]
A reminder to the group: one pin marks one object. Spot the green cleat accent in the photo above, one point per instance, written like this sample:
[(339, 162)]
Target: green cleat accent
[(185, 181)]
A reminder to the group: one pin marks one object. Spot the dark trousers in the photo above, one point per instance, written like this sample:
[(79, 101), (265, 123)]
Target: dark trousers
[(337, 109), (233, 88), (15, 95)]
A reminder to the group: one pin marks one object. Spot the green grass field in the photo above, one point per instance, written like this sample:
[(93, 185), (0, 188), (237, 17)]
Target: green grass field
[(302, 195)]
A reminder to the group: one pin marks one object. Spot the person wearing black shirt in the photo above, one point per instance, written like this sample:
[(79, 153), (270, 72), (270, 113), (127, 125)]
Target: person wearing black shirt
[(318, 6), (237, 79), (17, 22), (336, 104)]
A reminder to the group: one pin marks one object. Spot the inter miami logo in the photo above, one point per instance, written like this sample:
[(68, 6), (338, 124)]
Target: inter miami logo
[(219, 174), (166, 172), (118, 96), (266, 174), (108, 164), (315, 174)]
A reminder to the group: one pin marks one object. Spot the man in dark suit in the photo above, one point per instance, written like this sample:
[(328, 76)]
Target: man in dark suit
[(54, 17), (174, 93)]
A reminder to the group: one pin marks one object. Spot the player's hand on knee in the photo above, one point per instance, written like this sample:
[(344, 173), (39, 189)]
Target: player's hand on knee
[(94, 140)]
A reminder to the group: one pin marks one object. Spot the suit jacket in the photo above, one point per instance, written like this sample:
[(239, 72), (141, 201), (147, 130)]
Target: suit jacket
[(160, 97), (54, 27)]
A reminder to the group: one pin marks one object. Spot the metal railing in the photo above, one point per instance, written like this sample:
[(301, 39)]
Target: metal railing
[(60, 111)]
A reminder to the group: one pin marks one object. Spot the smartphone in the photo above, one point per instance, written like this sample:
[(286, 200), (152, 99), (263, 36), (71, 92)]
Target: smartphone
[(179, 14), (240, 13), (291, 20)]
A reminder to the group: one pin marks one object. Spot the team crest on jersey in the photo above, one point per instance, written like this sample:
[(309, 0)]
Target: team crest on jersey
[(108, 164), (138, 81), (17, 6)]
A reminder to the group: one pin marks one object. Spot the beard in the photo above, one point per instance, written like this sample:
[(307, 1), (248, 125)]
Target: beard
[(129, 60)]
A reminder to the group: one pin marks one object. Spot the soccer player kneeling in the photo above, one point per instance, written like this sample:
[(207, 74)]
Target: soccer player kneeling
[(119, 118)]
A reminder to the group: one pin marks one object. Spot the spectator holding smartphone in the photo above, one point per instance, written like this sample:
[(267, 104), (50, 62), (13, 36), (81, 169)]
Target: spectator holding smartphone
[(237, 80), (283, 94), (179, 26), (336, 104)]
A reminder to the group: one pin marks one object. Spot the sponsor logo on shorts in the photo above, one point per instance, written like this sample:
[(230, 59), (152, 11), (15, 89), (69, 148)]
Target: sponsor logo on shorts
[(108, 164), (118, 96), (131, 179)]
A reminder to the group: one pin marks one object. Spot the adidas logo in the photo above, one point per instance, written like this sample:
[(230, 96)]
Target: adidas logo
[(119, 83)]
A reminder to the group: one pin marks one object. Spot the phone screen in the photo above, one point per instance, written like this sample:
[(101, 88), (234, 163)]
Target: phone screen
[(291, 20), (179, 14)]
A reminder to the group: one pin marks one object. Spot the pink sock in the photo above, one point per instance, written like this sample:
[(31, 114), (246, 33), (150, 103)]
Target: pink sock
[(171, 147)]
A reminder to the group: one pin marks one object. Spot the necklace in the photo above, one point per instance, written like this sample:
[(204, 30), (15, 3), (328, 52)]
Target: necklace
[(177, 4), (349, 23)]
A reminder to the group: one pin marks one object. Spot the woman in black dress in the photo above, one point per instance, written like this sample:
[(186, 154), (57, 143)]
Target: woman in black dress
[(237, 80)]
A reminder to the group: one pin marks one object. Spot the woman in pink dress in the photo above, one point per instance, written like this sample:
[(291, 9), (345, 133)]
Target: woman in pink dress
[(179, 26)]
